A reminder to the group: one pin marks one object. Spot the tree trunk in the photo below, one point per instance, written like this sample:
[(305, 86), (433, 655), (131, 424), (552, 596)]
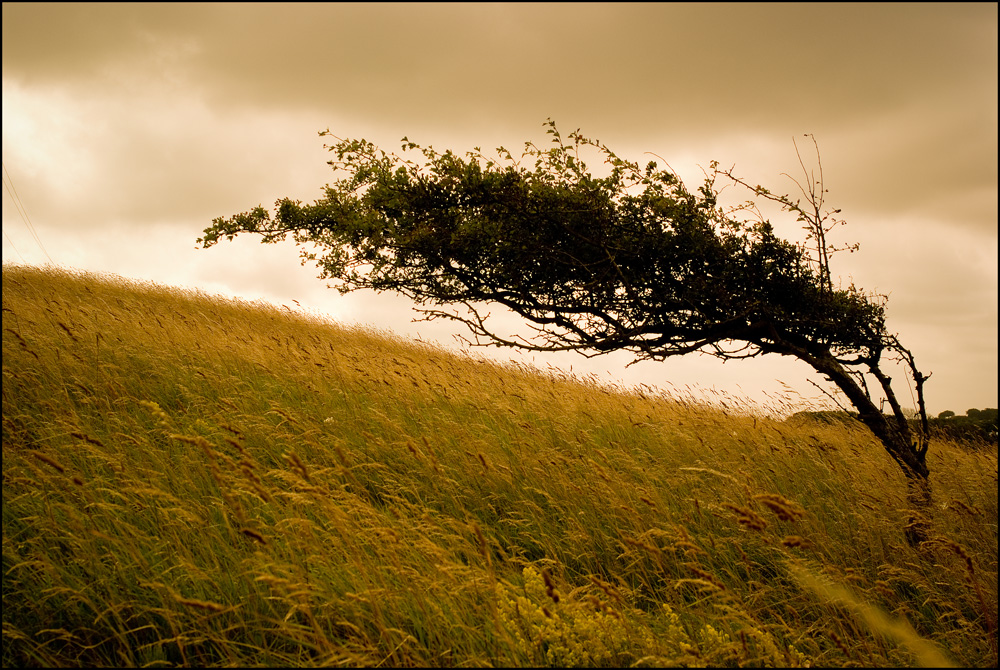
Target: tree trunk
[(895, 436)]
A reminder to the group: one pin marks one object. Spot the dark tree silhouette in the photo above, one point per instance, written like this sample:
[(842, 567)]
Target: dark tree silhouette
[(633, 261)]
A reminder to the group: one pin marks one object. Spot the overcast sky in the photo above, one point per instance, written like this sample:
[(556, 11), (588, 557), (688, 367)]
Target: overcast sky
[(128, 128)]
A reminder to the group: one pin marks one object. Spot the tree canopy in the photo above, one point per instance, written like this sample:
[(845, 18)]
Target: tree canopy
[(630, 261)]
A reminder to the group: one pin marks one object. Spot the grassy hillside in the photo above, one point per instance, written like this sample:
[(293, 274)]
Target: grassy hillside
[(193, 481)]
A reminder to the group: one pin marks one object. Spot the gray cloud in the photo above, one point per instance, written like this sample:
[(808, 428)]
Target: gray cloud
[(696, 66)]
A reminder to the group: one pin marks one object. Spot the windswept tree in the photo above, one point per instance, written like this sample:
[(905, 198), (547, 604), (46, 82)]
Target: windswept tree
[(632, 261)]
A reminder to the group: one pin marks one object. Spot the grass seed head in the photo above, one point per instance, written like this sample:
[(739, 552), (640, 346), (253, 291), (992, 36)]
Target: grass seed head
[(747, 517), (550, 588), (785, 509), (51, 462)]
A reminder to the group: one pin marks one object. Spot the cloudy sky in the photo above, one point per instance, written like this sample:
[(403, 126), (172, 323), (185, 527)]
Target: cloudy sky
[(127, 128)]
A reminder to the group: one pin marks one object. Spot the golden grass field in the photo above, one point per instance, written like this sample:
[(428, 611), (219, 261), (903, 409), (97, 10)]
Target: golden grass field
[(193, 481)]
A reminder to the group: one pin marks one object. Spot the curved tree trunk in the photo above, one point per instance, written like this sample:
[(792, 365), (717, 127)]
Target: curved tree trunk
[(895, 435)]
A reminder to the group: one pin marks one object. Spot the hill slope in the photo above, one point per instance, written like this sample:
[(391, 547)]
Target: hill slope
[(194, 481)]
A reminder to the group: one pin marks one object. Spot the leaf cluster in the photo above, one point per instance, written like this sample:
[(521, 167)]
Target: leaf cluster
[(632, 260)]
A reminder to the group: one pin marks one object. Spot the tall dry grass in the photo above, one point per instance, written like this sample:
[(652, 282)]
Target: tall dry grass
[(195, 481)]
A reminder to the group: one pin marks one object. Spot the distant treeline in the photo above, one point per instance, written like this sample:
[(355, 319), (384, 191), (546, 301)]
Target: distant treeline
[(976, 425), (975, 428)]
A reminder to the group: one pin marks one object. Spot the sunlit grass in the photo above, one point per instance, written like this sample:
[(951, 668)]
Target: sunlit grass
[(189, 480)]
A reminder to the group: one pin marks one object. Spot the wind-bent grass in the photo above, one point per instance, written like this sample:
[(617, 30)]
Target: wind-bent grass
[(194, 481)]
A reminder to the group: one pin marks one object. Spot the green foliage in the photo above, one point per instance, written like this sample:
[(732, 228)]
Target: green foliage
[(632, 261)]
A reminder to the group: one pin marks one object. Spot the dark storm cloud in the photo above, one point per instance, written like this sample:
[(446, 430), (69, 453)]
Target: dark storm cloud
[(693, 65), (890, 86)]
